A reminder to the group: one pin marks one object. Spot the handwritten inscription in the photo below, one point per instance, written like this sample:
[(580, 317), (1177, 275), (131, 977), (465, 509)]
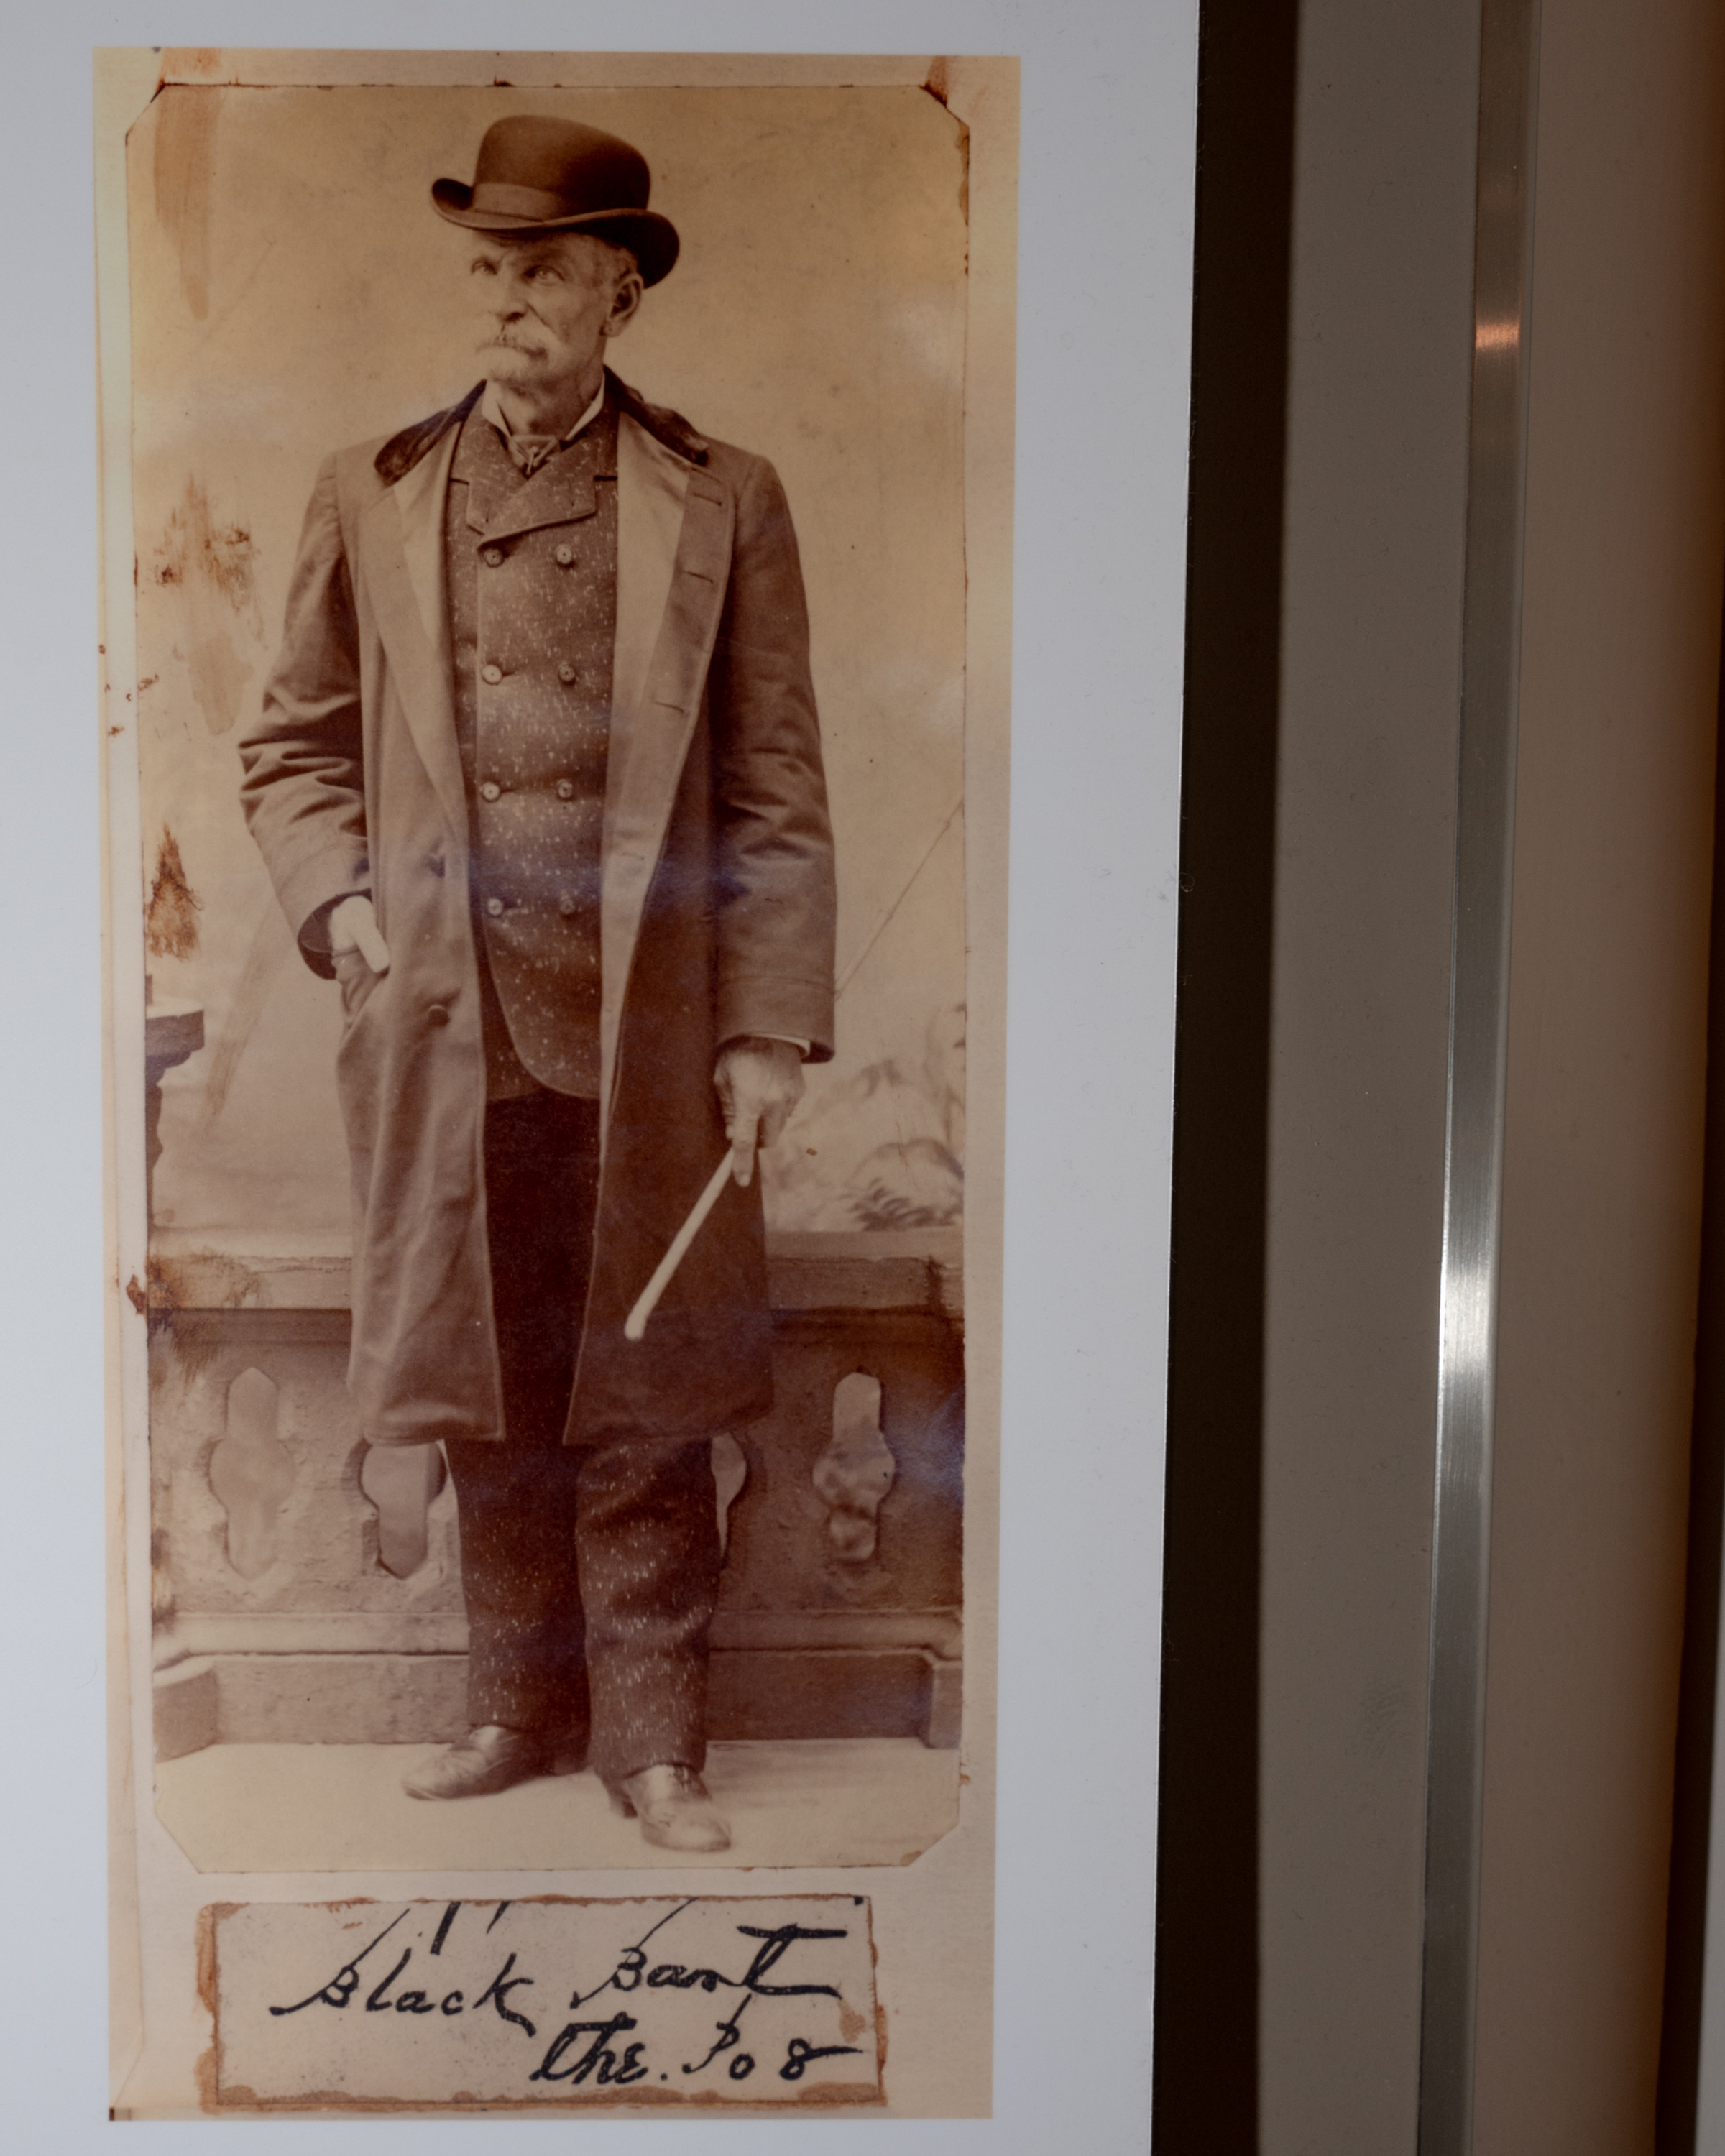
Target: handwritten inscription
[(458, 2005)]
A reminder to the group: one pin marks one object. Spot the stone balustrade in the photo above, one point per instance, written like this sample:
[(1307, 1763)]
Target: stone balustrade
[(307, 1588)]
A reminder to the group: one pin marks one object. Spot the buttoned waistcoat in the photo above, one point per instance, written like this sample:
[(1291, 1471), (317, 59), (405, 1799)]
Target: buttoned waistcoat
[(716, 910), (530, 568)]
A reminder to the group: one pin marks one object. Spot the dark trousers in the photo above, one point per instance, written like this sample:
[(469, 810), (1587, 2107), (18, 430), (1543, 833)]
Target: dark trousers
[(590, 1572)]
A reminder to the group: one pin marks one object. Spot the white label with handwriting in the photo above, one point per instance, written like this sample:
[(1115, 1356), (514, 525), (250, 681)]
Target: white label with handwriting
[(712, 2000)]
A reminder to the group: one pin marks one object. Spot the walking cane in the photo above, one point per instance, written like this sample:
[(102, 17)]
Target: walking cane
[(636, 1322)]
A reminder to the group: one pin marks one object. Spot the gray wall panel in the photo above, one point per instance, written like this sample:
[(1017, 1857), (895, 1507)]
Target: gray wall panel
[(1608, 1010), (1377, 489)]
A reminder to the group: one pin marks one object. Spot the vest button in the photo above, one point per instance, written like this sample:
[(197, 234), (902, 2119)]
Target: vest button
[(565, 556), (566, 789), (566, 907), (490, 790), (493, 557), (494, 907), (493, 673), (436, 1015), (566, 673)]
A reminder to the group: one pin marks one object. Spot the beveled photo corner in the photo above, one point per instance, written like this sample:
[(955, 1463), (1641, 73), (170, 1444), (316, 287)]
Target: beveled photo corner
[(549, 532)]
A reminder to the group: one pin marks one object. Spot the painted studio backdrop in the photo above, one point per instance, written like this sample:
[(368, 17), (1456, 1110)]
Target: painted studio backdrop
[(293, 293)]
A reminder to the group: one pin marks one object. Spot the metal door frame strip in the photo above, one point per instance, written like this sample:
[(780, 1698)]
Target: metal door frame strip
[(1479, 1012)]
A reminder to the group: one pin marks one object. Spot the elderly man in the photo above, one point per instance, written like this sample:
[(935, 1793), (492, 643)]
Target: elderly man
[(538, 778)]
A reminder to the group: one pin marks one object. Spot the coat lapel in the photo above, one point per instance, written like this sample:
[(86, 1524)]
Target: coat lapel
[(675, 525), (403, 539)]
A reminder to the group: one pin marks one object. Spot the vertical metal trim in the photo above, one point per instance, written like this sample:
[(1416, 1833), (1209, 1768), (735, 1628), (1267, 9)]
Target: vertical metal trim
[(1473, 1167)]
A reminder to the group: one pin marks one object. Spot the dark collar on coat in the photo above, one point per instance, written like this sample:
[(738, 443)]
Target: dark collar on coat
[(402, 452)]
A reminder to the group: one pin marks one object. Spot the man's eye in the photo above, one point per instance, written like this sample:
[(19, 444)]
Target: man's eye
[(485, 268)]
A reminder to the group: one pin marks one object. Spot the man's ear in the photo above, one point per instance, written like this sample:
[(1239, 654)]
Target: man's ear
[(624, 301)]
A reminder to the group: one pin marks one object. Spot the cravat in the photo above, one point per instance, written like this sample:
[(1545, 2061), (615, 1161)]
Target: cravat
[(530, 451)]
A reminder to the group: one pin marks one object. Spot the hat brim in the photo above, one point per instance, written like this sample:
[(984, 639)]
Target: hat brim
[(651, 238)]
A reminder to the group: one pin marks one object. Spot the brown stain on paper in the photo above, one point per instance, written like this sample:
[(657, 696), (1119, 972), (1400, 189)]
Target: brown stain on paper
[(208, 2069), (195, 547), (937, 82), (208, 565), (171, 918), (183, 175), (201, 1279), (182, 1294), (178, 62)]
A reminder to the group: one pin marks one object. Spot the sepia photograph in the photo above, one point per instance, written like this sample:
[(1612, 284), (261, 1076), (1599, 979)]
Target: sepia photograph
[(596, 1008), (549, 527)]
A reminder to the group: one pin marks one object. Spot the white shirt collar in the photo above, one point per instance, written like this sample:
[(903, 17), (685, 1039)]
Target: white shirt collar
[(490, 408)]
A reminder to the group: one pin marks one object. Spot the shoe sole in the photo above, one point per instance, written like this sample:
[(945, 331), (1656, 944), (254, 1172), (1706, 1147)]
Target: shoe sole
[(665, 1838), (662, 1837), (559, 1763)]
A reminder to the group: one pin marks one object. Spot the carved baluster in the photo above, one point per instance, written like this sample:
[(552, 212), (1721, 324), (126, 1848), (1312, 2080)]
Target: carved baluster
[(856, 1470), (401, 1480), (731, 1470), (252, 1473)]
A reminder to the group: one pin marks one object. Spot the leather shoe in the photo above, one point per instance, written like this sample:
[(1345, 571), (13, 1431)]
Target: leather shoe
[(674, 1807), (493, 1758)]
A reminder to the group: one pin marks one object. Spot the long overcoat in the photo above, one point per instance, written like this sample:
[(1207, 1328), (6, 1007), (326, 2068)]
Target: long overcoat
[(716, 915)]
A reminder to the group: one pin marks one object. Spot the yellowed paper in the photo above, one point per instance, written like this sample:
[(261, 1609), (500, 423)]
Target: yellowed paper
[(289, 1573), (705, 2001)]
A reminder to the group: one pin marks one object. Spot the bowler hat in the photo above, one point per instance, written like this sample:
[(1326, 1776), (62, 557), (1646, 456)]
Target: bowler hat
[(538, 175)]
